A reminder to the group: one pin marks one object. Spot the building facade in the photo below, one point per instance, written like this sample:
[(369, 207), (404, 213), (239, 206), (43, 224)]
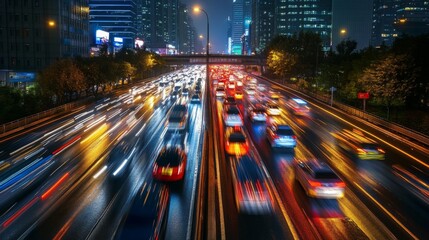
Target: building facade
[(262, 27), (187, 37), (159, 23), (118, 18), (392, 18), (293, 16), (34, 34)]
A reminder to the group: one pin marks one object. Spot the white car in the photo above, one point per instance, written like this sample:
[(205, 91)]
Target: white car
[(232, 116), (273, 109), (220, 92), (257, 113)]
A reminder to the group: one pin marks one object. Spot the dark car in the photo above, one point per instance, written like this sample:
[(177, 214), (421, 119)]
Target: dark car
[(147, 216)]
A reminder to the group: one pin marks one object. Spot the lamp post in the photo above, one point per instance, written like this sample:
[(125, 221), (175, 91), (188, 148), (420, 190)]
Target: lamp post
[(198, 9)]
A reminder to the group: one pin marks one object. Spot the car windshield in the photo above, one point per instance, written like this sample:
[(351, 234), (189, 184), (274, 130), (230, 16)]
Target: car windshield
[(169, 157), (325, 175), (232, 111), (237, 138)]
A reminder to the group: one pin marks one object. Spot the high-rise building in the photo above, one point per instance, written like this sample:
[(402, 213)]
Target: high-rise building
[(33, 34), (262, 26), (117, 17), (159, 22), (392, 18), (240, 26), (293, 16), (237, 25), (187, 37)]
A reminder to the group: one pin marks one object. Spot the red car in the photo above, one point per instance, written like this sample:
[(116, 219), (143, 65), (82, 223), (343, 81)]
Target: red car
[(170, 165)]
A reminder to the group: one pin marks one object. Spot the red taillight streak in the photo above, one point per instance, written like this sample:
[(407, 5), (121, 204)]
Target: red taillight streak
[(315, 183), (260, 191), (63, 147), (19, 213), (55, 186), (340, 184)]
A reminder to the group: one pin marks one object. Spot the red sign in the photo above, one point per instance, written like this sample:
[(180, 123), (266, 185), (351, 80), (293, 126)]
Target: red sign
[(363, 95)]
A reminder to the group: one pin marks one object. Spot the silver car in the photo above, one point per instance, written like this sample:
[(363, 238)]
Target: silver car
[(318, 179)]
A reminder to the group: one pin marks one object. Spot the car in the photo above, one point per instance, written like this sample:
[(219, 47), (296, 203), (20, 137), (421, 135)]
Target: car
[(220, 92), (298, 107), (257, 112), (148, 214), (261, 87), (195, 98), (281, 136), (359, 145), (273, 109), (239, 83), (250, 91), (236, 142), (250, 187), (229, 100), (318, 180), (238, 95), (232, 116), (274, 95), (231, 85), (178, 118), (170, 165), (185, 91)]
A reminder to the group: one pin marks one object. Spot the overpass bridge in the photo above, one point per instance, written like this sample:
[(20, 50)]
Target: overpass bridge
[(214, 59)]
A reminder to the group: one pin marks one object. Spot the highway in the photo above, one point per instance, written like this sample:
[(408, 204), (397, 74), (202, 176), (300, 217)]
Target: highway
[(77, 176)]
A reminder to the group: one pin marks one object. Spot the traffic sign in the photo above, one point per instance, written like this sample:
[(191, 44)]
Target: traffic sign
[(363, 95)]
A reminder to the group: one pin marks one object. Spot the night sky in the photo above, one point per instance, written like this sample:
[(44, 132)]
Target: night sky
[(354, 15), (218, 11)]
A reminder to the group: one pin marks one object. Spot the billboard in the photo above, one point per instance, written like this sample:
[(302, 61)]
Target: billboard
[(101, 37), (118, 42), (138, 43)]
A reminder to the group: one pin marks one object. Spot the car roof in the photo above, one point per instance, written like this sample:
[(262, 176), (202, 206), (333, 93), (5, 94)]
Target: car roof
[(299, 101), (171, 156), (248, 169)]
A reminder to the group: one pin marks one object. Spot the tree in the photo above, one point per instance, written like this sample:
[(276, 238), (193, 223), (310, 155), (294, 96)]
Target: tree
[(346, 47), (281, 63), (390, 80), (62, 79)]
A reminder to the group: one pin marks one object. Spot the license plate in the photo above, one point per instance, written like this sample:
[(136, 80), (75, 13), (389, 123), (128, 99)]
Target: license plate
[(167, 171)]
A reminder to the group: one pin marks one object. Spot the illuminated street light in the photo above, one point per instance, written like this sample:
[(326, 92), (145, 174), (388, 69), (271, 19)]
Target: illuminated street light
[(51, 23), (343, 31)]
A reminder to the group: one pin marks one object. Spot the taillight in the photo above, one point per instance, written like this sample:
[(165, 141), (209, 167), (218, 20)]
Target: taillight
[(294, 137), (381, 150), (276, 136), (315, 183), (340, 184), (361, 151), (260, 190)]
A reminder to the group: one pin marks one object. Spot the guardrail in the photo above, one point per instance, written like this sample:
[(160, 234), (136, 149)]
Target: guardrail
[(394, 127), (25, 121)]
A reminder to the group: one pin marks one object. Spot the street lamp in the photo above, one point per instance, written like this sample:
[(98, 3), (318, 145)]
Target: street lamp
[(197, 10)]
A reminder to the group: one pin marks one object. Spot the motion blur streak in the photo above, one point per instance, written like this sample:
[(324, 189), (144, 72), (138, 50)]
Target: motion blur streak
[(59, 128), (102, 128), (100, 172), (65, 146), (387, 212), (55, 186), (95, 123), (376, 137), (19, 213)]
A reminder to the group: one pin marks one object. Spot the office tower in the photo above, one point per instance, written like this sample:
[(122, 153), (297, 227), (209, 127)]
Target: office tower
[(237, 24), (262, 27), (187, 37), (117, 17), (159, 22), (33, 34), (392, 18), (293, 16)]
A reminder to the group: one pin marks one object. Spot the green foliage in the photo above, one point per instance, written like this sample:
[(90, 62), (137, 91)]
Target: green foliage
[(297, 55), (390, 80)]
